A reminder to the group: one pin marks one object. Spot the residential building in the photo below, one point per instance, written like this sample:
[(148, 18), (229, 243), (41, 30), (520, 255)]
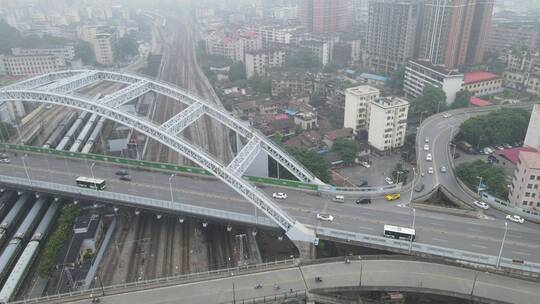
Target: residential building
[(454, 32), (482, 83), (276, 34), (525, 188), (251, 41), (387, 122), (31, 64), (104, 48), (331, 136), (217, 44), (67, 52), (392, 32), (322, 50), (357, 101), (325, 16), (532, 139), (306, 121), (419, 73), (504, 36), (523, 71), (258, 62), (310, 139), (291, 82)]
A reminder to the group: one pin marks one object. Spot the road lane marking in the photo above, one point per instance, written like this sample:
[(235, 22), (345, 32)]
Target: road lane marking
[(521, 253), (479, 246), (440, 240)]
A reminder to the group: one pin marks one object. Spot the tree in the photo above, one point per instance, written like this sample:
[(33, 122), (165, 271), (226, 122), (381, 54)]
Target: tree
[(9, 37), (396, 81), (126, 47), (493, 177), (85, 51), (331, 67), (316, 100), (261, 85), (346, 148), (400, 174), (463, 99), (237, 72), (6, 131), (305, 60), (312, 161), (432, 100), (496, 128)]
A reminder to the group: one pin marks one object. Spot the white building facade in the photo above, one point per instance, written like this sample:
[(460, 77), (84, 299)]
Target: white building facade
[(532, 139), (387, 122), (357, 100), (258, 62), (419, 73)]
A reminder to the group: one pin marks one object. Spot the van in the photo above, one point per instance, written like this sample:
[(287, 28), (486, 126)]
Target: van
[(339, 199)]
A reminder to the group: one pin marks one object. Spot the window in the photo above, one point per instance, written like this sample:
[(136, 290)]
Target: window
[(529, 186), (527, 194), (525, 203), (532, 177)]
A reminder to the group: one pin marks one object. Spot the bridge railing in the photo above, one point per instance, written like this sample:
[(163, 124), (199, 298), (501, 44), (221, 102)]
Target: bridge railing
[(161, 282), (525, 267), (142, 202)]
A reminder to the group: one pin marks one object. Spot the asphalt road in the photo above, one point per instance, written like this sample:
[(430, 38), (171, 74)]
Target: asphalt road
[(470, 234), (357, 274)]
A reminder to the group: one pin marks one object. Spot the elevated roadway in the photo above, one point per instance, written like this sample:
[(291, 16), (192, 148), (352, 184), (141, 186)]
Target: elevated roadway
[(481, 236), (361, 274)]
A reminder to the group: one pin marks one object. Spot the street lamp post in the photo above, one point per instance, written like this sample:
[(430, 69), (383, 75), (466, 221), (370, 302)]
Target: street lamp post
[(23, 158), (413, 222), (412, 185), (398, 176), (479, 184), (502, 244), (170, 187), (93, 176)]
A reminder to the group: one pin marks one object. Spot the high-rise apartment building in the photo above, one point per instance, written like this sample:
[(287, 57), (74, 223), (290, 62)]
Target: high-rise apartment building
[(532, 139), (392, 33), (454, 32), (387, 122), (357, 101), (525, 188), (325, 16)]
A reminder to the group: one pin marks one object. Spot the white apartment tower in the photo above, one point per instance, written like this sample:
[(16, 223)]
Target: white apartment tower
[(357, 101), (532, 139), (387, 122)]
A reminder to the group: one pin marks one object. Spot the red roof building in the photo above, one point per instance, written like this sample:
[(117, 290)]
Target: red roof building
[(478, 76), (482, 83), (477, 102)]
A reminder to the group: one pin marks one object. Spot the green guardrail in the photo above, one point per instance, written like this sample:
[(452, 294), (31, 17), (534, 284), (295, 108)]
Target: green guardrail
[(152, 165)]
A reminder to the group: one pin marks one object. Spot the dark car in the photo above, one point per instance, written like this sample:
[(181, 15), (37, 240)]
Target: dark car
[(122, 172), (363, 201), (419, 188), (362, 184), (126, 178)]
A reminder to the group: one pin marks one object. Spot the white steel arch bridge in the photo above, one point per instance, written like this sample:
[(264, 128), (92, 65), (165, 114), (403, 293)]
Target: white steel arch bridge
[(59, 87)]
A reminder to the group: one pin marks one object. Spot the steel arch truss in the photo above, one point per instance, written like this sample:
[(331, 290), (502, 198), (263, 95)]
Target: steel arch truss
[(58, 88)]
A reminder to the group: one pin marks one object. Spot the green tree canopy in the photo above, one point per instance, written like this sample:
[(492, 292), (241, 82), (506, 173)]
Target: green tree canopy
[(431, 100), (260, 85), (237, 72), (493, 177), (496, 128), (463, 99), (346, 148), (304, 59), (126, 47), (312, 161), (399, 174), (396, 81), (85, 51), (316, 100)]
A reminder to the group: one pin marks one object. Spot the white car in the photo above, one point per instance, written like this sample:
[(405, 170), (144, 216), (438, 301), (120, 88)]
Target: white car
[(443, 169), (325, 217), (481, 205), (5, 160), (430, 170), (427, 140), (389, 181), (446, 115), (426, 147), (515, 218), (366, 164), (279, 195), (428, 157)]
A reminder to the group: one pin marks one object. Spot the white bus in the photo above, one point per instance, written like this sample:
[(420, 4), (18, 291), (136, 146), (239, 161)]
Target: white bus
[(397, 232), (88, 182)]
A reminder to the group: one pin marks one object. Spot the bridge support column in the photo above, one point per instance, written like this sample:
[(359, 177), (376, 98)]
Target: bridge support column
[(303, 238)]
